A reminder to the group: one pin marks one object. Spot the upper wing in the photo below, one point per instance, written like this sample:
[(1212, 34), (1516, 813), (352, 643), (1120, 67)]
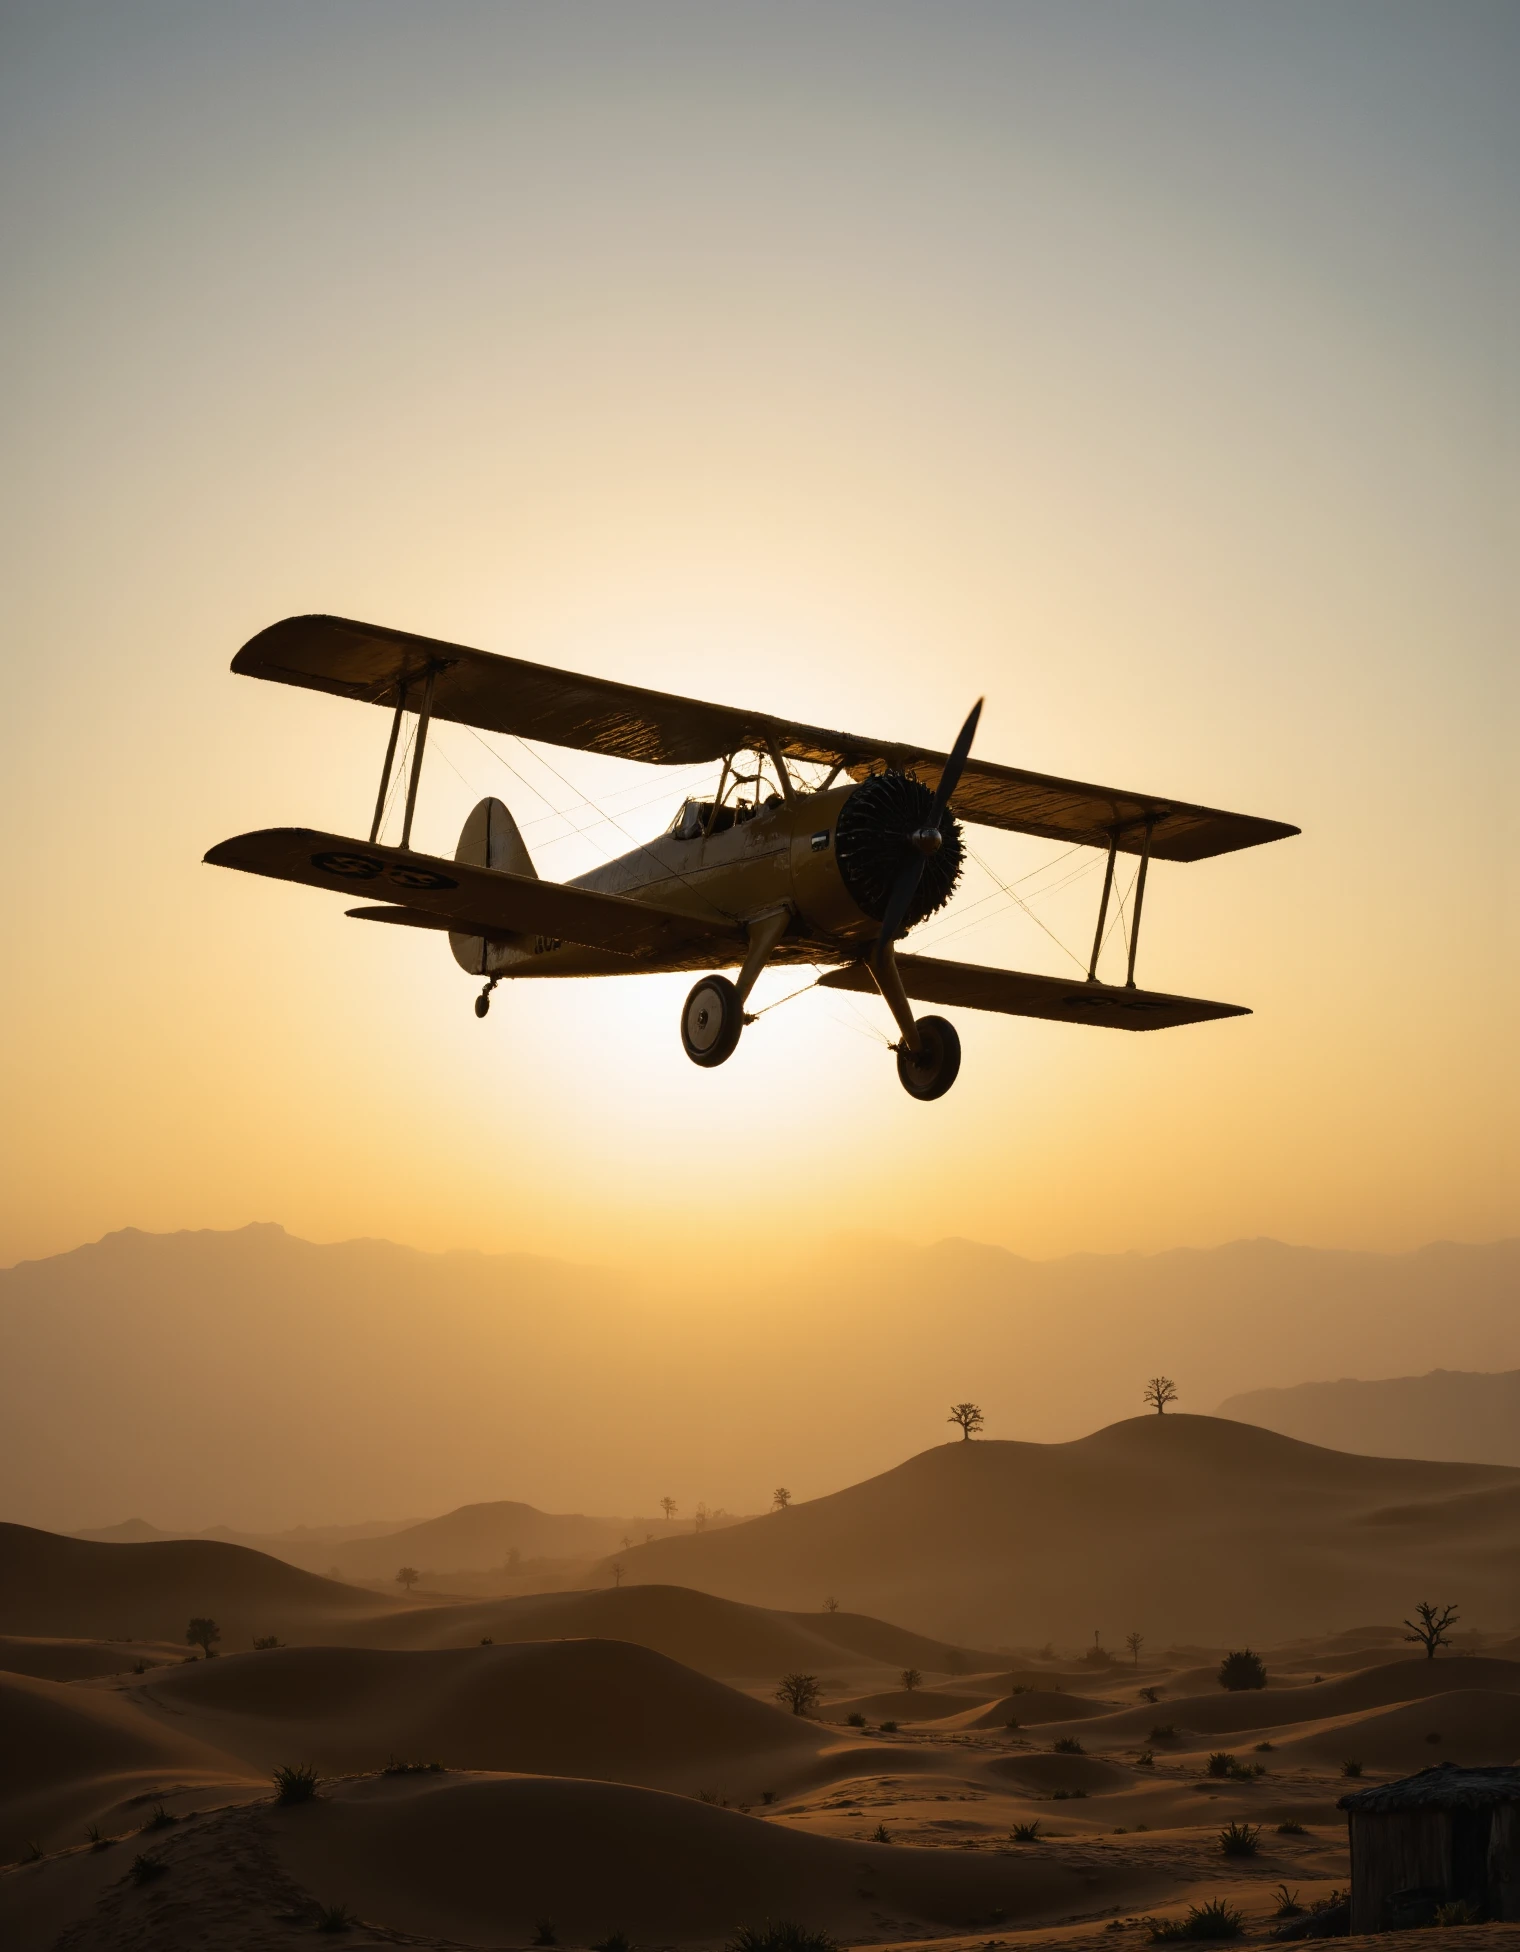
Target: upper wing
[(471, 900), (1016, 995), (536, 701)]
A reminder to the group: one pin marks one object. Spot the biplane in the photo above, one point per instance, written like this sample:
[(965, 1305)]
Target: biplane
[(816, 847)]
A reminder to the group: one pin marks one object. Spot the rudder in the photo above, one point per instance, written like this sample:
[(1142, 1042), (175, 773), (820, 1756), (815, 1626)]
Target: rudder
[(488, 839)]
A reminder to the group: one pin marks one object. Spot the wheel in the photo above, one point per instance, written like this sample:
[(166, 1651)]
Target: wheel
[(931, 1070), (711, 1021), (482, 1003)]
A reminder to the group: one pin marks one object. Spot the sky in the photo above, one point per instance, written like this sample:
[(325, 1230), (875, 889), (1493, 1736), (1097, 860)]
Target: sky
[(1146, 368)]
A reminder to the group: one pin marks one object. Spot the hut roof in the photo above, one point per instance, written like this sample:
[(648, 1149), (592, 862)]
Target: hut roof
[(1447, 1786)]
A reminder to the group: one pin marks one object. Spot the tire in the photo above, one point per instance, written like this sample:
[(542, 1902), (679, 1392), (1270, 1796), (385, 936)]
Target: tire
[(711, 1019), (930, 1072)]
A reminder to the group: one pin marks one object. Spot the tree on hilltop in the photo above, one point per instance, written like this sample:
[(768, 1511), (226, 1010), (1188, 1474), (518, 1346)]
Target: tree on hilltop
[(799, 1692), (911, 1679), (203, 1632), (1160, 1391), (968, 1416), (669, 1507), (781, 1497), (408, 1577), (1134, 1642), (1432, 1630)]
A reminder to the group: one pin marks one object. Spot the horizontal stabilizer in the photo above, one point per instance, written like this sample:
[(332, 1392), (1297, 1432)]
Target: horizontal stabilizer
[(968, 986), (474, 900)]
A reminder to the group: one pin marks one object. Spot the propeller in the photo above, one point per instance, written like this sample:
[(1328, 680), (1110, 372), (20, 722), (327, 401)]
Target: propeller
[(926, 839)]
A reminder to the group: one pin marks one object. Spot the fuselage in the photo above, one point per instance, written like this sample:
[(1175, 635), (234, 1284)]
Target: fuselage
[(742, 864)]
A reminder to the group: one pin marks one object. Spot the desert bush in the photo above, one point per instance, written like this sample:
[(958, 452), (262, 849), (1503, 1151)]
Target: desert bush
[(1291, 1827), (145, 1869), (1152, 1695), (1239, 1839), (1025, 1833), (204, 1633), (160, 1819), (856, 1719), (544, 1932), (1264, 1748), (1351, 1768), (1216, 1919), (335, 1918), (879, 1835), (295, 1783), (1145, 1760), (780, 1935), (1287, 1903), (1164, 1732), (1457, 1911), (889, 1728), (1067, 1745), (799, 1692), (911, 1679), (1221, 1763), (613, 1942), (262, 1642), (1242, 1670), (1012, 1722)]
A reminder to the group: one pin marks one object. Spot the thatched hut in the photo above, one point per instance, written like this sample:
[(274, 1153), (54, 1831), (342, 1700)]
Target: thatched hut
[(1445, 1835)]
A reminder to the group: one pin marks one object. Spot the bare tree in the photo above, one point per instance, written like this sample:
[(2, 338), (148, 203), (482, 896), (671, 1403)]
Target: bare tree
[(617, 1573), (203, 1633), (699, 1523), (627, 1543), (408, 1577), (1134, 1642), (1431, 1630), (799, 1692), (669, 1507), (911, 1679), (781, 1497), (1160, 1391), (831, 1605), (968, 1416)]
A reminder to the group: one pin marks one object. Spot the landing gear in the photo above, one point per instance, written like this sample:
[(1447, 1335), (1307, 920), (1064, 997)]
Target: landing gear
[(483, 1001), (711, 1021), (930, 1071)]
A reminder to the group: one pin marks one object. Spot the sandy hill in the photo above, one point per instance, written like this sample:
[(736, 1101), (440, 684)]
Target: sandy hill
[(1184, 1527), (60, 1586), (404, 1381), (703, 1631), (1451, 1413), (597, 1708)]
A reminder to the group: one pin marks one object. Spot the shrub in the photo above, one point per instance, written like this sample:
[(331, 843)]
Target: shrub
[(1242, 1670), (856, 1719), (1151, 1695), (1164, 1732), (262, 1642), (1351, 1768), (1457, 1911), (1216, 1919), (1239, 1839), (1221, 1763), (160, 1819), (544, 1932), (911, 1679), (1025, 1833), (1012, 1722), (1291, 1827), (1287, 1903), (1145, 1760), (613, 1942), (295, 1783), (335, 1918), (889, 1728), (145, 1869), (879, 1835), (1067, 1745), (1264, 1748), (780, 1935)]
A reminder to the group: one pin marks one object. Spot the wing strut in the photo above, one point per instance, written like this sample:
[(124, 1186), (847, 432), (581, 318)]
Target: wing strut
[(1134, 927)]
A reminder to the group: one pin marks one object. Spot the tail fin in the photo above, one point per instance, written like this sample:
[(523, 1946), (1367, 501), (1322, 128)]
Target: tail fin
[(488, 839)]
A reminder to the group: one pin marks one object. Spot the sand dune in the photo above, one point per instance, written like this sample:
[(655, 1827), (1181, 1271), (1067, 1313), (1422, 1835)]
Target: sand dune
[(1178, 1525), (1030, 1709), (596, 1708), (1475, 1726), (716, 1636), (71, 1755), (49, 1659), (903, 1704), (52, 1585)]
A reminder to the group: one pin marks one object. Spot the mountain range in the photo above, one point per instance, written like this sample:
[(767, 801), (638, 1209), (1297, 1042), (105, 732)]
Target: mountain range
[(1447, 1414)]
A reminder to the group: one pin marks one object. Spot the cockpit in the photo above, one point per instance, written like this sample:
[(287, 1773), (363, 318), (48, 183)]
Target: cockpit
[(698, 819)]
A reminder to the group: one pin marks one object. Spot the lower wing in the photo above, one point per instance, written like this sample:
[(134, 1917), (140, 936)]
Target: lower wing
[(971, 987), (471, 900)]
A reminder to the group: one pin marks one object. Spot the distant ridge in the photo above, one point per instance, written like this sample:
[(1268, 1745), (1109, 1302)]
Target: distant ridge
[(1450, 1414)]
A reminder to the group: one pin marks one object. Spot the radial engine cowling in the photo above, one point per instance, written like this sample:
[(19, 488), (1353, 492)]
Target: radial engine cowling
[(875, 836)]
